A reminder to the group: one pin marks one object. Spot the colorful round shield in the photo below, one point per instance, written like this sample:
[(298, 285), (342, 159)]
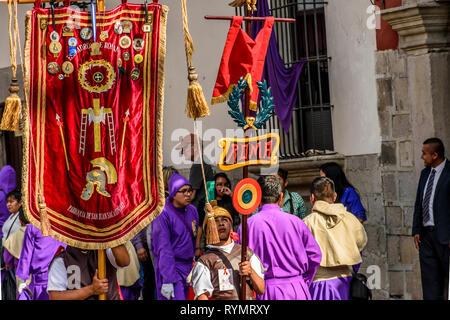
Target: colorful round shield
[(247, 196)]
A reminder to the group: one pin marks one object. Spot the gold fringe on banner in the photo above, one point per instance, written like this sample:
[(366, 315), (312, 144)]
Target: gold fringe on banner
[(196, 105), (13, 105)]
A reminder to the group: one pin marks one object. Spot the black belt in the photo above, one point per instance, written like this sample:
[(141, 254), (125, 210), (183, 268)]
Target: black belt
[(429, 228)]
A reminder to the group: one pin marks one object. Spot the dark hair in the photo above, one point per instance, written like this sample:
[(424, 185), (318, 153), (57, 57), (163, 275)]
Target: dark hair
[(16, 194), (437, 146), (270, 189), (223, 175), (22, 216), (334, 171), (322, 188), (283, 174)]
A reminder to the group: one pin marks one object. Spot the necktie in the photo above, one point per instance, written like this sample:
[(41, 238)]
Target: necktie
[(427, 198)]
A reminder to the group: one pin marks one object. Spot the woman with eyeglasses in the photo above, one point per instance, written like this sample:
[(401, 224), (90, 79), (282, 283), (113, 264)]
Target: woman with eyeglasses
[(173, 235)]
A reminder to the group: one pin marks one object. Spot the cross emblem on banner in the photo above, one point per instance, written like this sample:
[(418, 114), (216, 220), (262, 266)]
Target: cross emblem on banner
[(97, 115), (98, 77)]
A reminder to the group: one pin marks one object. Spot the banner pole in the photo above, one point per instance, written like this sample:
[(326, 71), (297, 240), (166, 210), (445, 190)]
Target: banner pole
[(248, 29), (101, 270), (100, 5)]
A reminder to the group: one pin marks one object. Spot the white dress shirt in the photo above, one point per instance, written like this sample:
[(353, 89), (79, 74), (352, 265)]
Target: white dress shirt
[(437, 175)]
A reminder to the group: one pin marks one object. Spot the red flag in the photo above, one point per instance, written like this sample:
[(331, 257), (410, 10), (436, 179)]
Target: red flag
[(242, 57)]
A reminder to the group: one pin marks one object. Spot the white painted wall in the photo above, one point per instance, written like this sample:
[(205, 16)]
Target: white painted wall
[(4, 35), (352, 46)]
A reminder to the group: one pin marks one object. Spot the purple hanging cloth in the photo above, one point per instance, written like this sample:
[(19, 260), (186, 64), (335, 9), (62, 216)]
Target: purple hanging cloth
[(282, 80)]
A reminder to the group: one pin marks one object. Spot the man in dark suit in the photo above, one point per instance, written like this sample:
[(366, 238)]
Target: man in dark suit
[(431, 223)]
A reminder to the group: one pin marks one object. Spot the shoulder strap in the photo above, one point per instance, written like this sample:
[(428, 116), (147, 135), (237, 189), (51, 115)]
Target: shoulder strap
[(291, 203), (12, 225)]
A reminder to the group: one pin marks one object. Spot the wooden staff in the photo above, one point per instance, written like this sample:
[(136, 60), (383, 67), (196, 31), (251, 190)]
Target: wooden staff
[(248, 20), (101, 270), (101, 253), (248, 29)]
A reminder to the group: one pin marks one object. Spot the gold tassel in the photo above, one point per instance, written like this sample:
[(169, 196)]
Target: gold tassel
[(45, 223), (13, 104), (212, 235), (196, 105), (13, 109)]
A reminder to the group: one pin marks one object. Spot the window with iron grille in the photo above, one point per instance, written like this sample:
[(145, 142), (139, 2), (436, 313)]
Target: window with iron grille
[(305, 39)]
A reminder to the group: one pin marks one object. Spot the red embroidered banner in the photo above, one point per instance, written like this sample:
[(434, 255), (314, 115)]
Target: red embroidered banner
[(93, 131)]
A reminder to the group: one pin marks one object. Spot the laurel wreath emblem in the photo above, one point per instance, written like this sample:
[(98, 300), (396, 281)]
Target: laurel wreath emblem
[(265, 110)]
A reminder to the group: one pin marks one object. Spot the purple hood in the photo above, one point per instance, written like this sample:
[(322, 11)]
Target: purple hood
[(7, 179), (176, 181)]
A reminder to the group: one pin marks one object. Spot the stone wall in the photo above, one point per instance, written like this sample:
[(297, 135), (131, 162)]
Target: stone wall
[(413, 105), (398, 176), (364, 173)]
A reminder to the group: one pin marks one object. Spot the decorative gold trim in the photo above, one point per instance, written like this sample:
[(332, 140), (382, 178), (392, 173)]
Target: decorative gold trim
[(26, 120), (110, 77), (224, 143), (224, 97)]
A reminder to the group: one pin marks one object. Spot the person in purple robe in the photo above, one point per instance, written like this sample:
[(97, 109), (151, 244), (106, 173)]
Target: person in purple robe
[(37, 253), (7, 184), (340, 236), (286, 247), (173, 237)]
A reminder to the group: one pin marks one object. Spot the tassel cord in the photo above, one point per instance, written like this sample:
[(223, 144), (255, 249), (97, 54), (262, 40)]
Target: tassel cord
[(14, 47), (188, 42)]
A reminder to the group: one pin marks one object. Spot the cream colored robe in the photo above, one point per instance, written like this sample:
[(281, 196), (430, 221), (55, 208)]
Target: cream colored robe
[(341, 238), (130, 274)]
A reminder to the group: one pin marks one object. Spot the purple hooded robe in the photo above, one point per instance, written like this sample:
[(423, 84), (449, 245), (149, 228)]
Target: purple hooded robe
[(37, 253), (173, 242), (287, 250), (7, 184)]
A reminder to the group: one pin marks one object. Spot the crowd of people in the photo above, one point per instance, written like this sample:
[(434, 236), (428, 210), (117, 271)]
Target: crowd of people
[(171, 259), (291, 254)]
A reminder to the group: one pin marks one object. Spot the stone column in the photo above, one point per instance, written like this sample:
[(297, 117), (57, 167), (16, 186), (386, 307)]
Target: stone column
[(413, 83), (424, 36)]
